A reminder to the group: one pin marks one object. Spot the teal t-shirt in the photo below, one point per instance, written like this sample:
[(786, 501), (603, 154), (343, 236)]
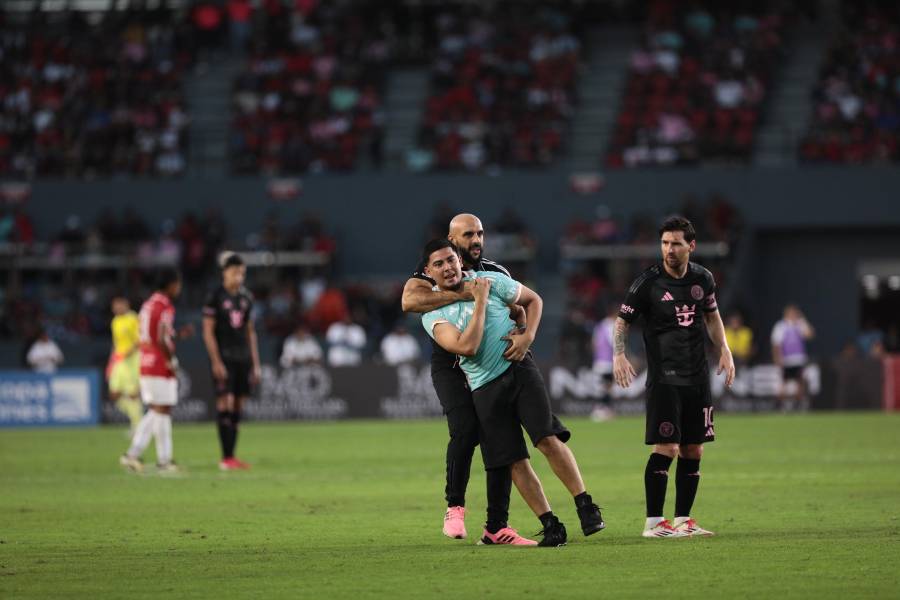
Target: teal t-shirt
[(488, 362)]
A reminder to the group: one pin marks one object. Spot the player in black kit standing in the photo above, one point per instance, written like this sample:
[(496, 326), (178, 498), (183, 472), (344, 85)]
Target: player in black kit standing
[(230, 339), (671, 296)]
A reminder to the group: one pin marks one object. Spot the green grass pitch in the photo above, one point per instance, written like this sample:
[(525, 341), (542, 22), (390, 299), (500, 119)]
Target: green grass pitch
[(803, 506)]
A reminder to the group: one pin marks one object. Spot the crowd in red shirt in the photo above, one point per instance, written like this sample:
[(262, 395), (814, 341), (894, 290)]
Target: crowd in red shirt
[(857, 98), (503, 87), (310, 95), (93, 95), (697, 84)]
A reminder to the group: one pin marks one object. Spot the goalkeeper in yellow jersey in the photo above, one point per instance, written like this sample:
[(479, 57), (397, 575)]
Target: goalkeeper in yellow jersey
[(123, 370)]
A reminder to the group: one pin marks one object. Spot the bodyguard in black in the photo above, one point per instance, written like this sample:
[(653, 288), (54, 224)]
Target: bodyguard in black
[(230, 339), (677, 299)]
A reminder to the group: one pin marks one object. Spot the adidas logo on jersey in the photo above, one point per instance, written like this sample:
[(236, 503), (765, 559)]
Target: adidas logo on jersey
[(667, 297)]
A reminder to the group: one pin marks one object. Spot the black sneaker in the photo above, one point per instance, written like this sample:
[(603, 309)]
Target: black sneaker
[(554, 535), (591, 519)]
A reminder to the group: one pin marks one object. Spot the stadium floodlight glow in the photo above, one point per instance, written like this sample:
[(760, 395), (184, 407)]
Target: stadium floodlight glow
[(894, 282)]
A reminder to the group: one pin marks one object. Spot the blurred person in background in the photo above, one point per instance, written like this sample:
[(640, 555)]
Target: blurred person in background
[(346, 341), (789, 337), (602, 341), (300, 348), (230, 338), (124, 368), (44, 356), (399, 347), (740, 339), (158, 381)]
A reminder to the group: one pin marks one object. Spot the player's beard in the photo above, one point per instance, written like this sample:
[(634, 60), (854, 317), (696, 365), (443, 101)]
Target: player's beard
[(467, 257)]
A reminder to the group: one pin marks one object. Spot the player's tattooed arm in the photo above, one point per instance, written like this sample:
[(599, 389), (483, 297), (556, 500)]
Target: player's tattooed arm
[(620, 334), (623, 371), (716, 330), (418, 297)]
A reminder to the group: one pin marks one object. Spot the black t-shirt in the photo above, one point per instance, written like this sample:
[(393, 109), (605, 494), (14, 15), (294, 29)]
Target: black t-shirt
[(674, 332), (231, 313), (440, 358)]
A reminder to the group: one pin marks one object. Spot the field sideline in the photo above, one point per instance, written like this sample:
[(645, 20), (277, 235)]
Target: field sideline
[(804, 506)]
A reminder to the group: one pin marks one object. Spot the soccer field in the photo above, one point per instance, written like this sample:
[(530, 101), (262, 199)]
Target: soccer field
[(803, 506)]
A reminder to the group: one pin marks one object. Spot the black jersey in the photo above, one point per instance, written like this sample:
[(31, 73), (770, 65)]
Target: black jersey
[(440, 358), (674, 330), (231, 313)]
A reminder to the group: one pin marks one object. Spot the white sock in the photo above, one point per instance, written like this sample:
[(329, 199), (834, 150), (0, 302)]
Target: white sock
[(163, 433), (653, 522), (680, 520), (142, 435)]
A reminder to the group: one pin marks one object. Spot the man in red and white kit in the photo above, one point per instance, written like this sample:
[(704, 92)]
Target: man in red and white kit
[(159, 387)]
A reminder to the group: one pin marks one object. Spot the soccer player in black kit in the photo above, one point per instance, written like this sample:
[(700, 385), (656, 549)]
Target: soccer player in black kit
[(467, 235), (672, 296), (230, 338)]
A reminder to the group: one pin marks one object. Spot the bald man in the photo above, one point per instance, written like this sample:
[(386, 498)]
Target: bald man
[(420, 296)]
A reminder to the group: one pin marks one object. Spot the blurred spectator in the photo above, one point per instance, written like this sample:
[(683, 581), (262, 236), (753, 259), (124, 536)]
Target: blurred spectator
[(399, 347), (602, 342), (869, 337), (789, 337), (44, 356), (346, 341), (739, 338), (300, 348)]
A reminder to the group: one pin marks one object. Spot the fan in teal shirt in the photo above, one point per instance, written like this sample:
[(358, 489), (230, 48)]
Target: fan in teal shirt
[(488, 362)]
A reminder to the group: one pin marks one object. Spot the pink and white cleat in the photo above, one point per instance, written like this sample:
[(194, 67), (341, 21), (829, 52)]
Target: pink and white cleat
[(455, 522), (690, 527), (506, 536)]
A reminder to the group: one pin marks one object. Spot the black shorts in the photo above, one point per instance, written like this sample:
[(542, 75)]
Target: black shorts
[(514, 400), (236, 383), (792, 373), (679, 414)]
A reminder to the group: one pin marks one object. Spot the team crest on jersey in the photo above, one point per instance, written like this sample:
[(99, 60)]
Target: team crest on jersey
[(685, 314), (697, 292), (666, 429)]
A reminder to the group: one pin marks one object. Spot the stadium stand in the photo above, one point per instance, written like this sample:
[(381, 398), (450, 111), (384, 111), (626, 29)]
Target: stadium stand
[(503, 87), (93, 95), (697, 84), (857, 115), (310, 96)]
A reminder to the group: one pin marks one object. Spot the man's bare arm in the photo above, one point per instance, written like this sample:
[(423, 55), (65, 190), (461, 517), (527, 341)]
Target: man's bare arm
[(716, 330), (418, 297)]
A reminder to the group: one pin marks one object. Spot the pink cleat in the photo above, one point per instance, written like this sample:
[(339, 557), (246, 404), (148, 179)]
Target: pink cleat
[(506, 536), (455, 522), (232, 464)]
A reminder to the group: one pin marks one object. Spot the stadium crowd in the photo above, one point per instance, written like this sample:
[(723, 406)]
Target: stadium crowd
[(93, 95), (503, 87), (310, 95), (698, 84), (857, 98)]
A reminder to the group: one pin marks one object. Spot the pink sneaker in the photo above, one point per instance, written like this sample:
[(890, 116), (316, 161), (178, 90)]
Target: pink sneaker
[(455, 522), (239, 464), (507, 536)]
